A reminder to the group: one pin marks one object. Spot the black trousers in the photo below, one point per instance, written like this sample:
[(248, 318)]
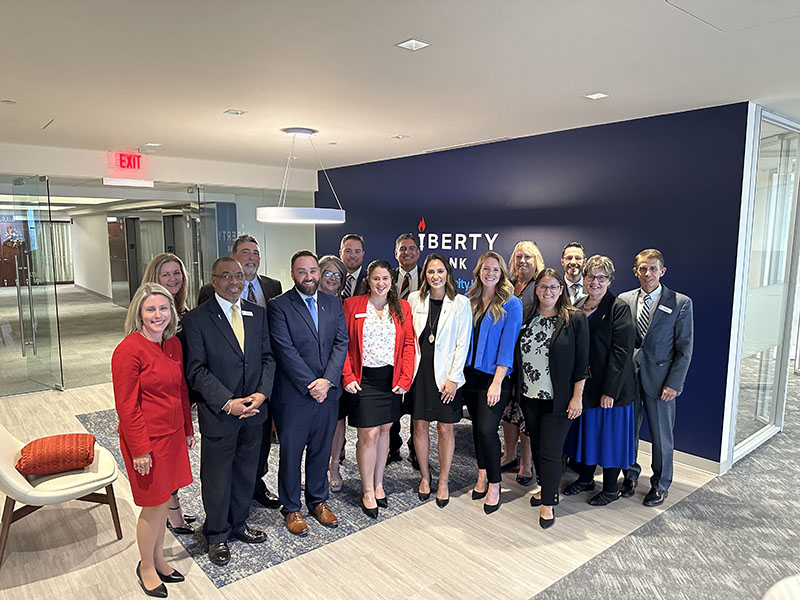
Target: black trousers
[(485, 420), (263, 454), (610, 476), (548, 432)]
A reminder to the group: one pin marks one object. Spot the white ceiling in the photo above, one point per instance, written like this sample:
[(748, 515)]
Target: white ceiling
[(117, 74)]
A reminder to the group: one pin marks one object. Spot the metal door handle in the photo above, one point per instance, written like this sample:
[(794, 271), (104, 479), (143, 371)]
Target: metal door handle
[(19, 305), (30, 303)]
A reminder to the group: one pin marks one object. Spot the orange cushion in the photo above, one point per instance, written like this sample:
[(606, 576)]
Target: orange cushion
[(56, 454)]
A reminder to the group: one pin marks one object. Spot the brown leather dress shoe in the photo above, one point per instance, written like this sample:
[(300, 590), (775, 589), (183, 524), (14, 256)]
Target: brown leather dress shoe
[(325, 515), (296, 524)]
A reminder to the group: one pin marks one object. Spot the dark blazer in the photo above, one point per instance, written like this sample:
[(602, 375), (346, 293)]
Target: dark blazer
[(359, 280), (569, 358), (527, 296), (303, 353), (662, 358), (420, 276), (218, 369), (611, 339), (270, 287)]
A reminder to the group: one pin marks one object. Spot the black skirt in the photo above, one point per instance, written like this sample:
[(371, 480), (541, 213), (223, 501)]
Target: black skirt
[(375, 404), (428, 405)]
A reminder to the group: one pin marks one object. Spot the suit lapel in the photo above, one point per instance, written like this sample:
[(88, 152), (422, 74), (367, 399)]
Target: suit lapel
[(559, 327), (250, 336), (302, 309), (219, 319)]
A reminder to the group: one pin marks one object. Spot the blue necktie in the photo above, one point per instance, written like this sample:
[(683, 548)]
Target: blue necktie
[(312, 308)]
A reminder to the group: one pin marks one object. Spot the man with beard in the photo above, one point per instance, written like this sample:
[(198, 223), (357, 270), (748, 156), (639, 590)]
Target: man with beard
[(309, 338), (573, 258), (229, 362), (258, 289)]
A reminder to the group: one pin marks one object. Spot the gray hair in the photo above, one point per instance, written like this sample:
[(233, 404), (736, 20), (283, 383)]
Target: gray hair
[(599, 262)]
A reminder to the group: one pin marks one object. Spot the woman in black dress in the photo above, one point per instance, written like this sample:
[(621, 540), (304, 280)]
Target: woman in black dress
[(442, 323)]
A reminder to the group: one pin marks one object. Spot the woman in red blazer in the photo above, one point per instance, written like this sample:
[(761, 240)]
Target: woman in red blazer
[(155, 426), (377, 372)]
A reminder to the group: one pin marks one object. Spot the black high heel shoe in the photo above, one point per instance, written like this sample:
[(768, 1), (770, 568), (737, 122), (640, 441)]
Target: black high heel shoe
[(425, 496), (382, 502), (370, 512), (478, 495), (546, 523), (182, 529), (160, 591), (174, 577)]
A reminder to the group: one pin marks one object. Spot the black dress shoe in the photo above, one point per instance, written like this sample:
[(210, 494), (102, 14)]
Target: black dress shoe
[(524, 480), (370, 512), (490, 508), (628, 487), (394, 457), (174, 577), (248, 535), (382, 502), (547, 523), (424, 496), (180, 530), (160, 591), (604, 498), (576, 487), (511, 465), (478, 495), (536, 501), (190, 518), (442, 502), (219, 554), (655, 497), (266, 498)]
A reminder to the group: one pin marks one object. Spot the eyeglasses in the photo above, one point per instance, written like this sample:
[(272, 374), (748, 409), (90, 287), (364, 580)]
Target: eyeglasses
[(645, 269), (551, 288), (600, 278), (228, 276), (334, 274)]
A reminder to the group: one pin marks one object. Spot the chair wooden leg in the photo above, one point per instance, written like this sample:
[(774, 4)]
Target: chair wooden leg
[(8, 518), (112, 504)]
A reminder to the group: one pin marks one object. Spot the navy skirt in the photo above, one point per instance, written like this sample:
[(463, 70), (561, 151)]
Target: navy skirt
[(603, 436)]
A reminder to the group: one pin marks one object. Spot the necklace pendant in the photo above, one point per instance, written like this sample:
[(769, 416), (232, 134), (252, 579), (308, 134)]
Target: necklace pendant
[(431, 338)]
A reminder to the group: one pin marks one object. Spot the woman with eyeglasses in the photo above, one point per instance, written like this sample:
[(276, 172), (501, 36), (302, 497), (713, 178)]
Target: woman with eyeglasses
[(442, 324), (604, 433), (331, 281), (553, 352), (496, 318), (525, 264)]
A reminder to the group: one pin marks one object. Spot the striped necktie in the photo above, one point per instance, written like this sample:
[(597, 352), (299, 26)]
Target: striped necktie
[(251, 293), (404, 289), (643, 322), (348, 287)]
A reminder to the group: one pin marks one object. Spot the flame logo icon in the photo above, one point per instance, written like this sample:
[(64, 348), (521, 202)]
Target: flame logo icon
[(421, 226)]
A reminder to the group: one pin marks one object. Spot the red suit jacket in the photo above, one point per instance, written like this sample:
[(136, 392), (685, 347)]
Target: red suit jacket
[(404, 343)]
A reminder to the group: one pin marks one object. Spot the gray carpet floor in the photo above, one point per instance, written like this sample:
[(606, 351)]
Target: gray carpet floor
[(732, 538)]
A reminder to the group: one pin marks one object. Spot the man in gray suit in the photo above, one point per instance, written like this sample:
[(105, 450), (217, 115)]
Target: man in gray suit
[(664, 340)]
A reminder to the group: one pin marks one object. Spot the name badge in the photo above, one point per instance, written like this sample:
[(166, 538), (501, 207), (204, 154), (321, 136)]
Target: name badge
[(247, 313), (361, 316), (666, 309)]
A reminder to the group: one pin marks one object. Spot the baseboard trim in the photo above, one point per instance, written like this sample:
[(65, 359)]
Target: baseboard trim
[(689, 460)]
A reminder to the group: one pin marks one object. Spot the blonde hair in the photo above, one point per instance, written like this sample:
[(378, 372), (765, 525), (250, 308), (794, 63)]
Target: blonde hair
[(532, 249), (153, 269), (502, 291), (133, 321)]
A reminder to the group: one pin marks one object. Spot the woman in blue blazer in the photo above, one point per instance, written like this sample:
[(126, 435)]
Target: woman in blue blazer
[(496, 318), (553, 353)]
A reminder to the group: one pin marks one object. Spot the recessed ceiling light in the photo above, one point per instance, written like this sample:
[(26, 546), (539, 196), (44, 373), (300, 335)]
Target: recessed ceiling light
[(7, 101), (298, 132), (413, 44), (153, 144), (596, 96), (399, 136), (234, 111)]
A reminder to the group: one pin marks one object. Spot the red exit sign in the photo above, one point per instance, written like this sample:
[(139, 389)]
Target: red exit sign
[(127, 161)]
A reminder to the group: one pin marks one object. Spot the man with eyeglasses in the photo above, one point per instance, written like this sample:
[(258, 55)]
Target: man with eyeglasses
[(664, 341), (406, 278), (573, 257), (229, 362), (258, 289)]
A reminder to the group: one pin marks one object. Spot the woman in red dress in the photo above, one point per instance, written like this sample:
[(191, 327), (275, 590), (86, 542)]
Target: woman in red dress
[(155, 428)]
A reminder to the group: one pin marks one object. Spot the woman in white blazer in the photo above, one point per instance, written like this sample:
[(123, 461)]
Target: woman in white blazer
[(442, 324)]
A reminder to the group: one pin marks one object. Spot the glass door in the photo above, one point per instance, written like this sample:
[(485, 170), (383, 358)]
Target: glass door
[(30, 352)]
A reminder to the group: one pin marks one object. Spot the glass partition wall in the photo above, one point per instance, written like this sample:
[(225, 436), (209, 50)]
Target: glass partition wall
[(770, 278)]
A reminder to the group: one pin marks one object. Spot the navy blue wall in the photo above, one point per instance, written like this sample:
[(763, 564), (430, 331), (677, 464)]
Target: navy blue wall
[(672, 182)]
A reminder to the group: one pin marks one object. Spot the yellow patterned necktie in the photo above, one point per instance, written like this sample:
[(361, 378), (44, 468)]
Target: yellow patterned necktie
[(237, 325)]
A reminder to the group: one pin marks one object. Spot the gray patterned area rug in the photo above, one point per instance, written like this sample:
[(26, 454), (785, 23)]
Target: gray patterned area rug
[(400, 482), (731, 539)]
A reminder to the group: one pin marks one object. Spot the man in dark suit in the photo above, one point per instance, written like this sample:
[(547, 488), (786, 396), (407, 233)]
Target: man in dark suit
[(664, 341), (229, 362), (351, 251), (573, 257), (258, 289), (309, 338), (406, 278)]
